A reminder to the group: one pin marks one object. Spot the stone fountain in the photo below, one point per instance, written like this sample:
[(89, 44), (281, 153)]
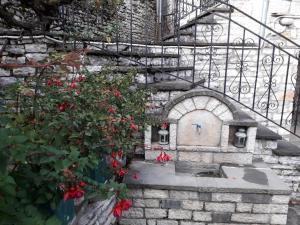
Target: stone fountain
[(209, 180)]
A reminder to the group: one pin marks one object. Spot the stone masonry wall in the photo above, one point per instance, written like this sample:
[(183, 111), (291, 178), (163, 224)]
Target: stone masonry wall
[(172, 207)]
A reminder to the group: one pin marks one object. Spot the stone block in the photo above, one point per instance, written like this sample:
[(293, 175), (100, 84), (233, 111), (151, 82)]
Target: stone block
[(153, 193), (124, 221), (237, 158), (270, 208), (146, 203), (256, 198), (192, 205), (180, 108), (180, 214), (279, 219), (205, 196), (221, 217), (220, 109), (174, 114), (226, 197), (189, 104), (212, 104), (170, 204), (250, 218), (191, 223), (167, 222), (155, 213), (200, 101), (36, 56), (226, 116), (4, 73), (24, 71), (184, 195), (151, 222), (6, 81), (280, 199), (135, 193), (202, 216), (133, 213), (15, 50), (196, 157), (219, 207), (41, 48), (244, 207)]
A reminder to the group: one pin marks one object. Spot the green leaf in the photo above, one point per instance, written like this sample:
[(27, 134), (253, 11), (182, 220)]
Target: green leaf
[(53, 221)]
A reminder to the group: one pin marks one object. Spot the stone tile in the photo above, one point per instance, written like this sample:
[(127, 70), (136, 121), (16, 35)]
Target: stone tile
[(192, 205), (196, 157), (170, 204), (153, 193), (133, 213), (124, 221), (221, 217), (270, 208), (212, 104), (256, 198), (180, 108), (219, 207), (155, 213), (135, 193), (226, 197), (279, 219), (244, 207), (191, 223), (174, 114), (202, 216), (167, 222), (200, 101), (185, 195), (180, 214), (280, 199), (189, 104), (250, 218)]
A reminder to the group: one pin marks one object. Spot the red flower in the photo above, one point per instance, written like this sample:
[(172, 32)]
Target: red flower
[(160, 157), (122, 172), (111, 109), (77, 92), (166, 157), (114, 163), (113, 154), (78, 141), (120, 153), (49, 83), (117, 211), (132, 117), (62, 106), (117, 93), (80, 78), (82, 184), (73, 193), (73, 85), (133, 127), (125, 204), (164, 126)]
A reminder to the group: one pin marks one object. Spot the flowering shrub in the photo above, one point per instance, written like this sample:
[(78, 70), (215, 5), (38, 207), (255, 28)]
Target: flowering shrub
[(55, 128)]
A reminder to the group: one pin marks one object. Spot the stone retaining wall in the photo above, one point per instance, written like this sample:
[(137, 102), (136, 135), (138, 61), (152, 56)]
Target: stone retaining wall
[(170, 207)]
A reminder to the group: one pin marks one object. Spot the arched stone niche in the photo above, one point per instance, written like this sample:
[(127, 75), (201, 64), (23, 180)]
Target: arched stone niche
[(198, 120)]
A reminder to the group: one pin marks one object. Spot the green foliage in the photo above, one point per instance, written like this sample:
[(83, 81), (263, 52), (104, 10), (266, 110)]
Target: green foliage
[(55, 128)]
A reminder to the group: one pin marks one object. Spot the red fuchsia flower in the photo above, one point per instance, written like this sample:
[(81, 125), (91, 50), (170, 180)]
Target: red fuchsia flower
[(132, 117), (120, 153), (73, 192), (117, 211), (164, 126), (111, 109), (78, 141), (160, 158), (117, 93), (80, 78), (122, 172), (113, 155), (126, 204), (77, 92), (73, 85), (133, 127), (114, 163), (122, 205), (166, 157), (62, 106), (82, 184)]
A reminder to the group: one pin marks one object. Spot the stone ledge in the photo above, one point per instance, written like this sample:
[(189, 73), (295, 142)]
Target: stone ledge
[(267, 134), (285, 148)]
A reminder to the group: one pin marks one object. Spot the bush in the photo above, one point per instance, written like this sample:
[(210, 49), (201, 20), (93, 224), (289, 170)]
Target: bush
[(54, 130)]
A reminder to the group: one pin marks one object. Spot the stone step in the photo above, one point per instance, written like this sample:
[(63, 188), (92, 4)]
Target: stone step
[(266, 134), (285, 148), (150, 69)]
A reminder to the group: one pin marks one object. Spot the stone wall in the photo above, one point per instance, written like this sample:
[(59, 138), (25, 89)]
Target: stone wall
[(174, 207)]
